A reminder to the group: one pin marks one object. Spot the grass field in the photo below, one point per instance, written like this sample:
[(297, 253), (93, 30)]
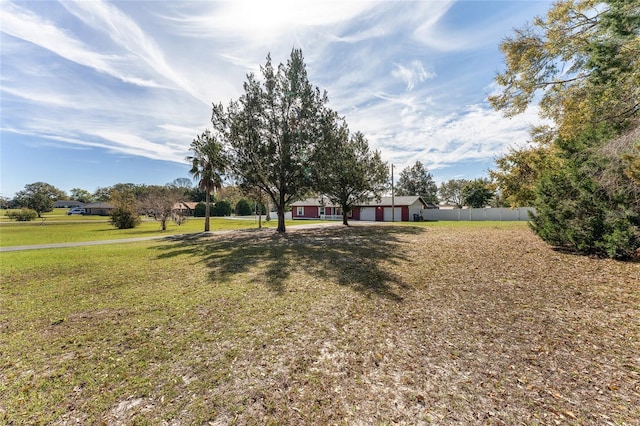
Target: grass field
[(57, 227), (442, 323)]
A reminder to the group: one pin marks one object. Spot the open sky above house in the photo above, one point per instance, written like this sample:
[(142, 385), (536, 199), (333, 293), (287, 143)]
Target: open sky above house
[(95, 93)]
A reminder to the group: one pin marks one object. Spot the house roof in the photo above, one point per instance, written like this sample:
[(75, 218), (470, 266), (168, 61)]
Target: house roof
[(67, 203), (99, 205), (397, 201), (191, 205), (384, 201), (316, 201)]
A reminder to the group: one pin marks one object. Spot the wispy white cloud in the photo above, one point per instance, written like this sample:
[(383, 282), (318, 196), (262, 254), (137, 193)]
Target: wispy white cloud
[(264, 22), (476, 133), (30, 27), (412, 73), (125, 32), (139, 146), (37, 96)]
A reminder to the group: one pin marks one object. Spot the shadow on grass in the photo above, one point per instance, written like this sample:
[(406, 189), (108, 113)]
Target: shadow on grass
[(362, 257)]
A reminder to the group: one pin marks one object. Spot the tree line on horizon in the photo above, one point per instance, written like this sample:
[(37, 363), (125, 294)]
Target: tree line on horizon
[(232, 199)]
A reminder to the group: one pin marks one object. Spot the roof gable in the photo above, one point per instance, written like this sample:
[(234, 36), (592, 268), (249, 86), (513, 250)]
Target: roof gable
[(384, 201), (397, 201), (316, 201), (99, 205)]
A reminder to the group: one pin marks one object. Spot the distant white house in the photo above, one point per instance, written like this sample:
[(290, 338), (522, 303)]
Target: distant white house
[(65, 204), (100, 208)]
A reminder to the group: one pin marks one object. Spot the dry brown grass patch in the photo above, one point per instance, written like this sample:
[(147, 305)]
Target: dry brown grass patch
[(437, 324)]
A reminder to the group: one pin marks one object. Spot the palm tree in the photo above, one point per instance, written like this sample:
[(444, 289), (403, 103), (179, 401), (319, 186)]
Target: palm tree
[(207, 167)]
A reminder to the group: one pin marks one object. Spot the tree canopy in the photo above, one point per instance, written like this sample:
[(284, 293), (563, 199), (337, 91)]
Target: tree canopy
[(346, 171), (583, 62), (273, 131), (417, 180), (39, 196), (451, 192), (125, 213), (160, 203), (477, 193), (518, 172), (582, 59), (81, 195), (208, 164)]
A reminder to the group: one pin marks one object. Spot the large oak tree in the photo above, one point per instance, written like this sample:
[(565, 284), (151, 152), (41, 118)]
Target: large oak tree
[(451, 192), (39, 196), (346, 171), (273, 131), (417, 180)]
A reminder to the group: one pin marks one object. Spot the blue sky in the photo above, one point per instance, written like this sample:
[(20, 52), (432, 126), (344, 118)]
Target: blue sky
[(95, 93)]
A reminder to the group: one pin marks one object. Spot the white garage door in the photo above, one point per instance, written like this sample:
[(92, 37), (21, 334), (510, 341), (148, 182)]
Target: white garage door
[(388, 214), (367, 213)]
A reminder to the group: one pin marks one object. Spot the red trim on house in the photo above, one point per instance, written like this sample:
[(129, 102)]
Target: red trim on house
[(313, 211), (380, 214), (308, 212)]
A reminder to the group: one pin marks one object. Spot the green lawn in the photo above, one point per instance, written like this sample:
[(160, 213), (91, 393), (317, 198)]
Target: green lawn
[(435, 324), (56, 215), (67, 229)]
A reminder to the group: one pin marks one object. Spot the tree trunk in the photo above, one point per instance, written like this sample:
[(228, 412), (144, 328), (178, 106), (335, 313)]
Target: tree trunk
[(163, 222), (207, 211), (344, 218), (281, 227)]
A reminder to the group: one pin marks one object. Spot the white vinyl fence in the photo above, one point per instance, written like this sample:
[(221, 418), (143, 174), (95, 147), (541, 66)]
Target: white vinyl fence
[(519, 213)]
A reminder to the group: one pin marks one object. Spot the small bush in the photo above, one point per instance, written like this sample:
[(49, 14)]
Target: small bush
[(178, 218), (23, 215), (124, 218)]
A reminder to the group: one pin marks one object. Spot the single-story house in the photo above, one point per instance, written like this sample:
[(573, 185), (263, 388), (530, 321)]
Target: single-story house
[(185, 207), (316, 208), (387, 209), (61, 204), (99, 208)]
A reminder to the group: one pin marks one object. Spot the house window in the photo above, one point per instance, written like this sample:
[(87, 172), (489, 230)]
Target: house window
[(300, 211), (322, 211)]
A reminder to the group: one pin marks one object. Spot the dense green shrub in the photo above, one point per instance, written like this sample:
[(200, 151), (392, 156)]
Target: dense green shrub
[(588, 205), (586, 197), (244, 208), (200, 210), (23, 215), (124, 218), (221, 208)]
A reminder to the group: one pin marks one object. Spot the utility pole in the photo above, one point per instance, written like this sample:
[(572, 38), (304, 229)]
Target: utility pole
[(393, 199)]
